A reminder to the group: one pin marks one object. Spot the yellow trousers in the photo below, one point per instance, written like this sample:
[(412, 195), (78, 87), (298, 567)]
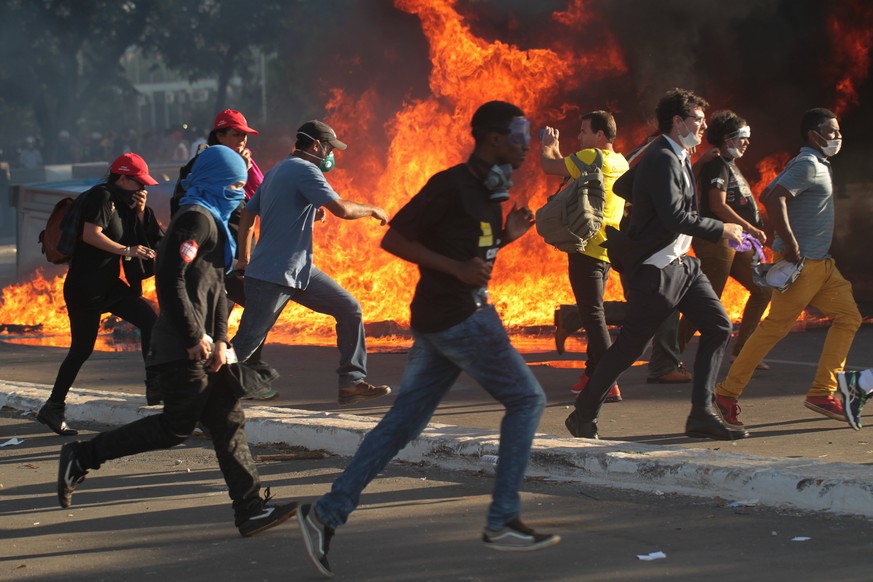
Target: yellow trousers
[(819, 285)]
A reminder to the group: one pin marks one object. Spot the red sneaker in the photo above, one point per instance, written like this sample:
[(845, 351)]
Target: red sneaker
[(579, 386), (729, 411), (826, 405)]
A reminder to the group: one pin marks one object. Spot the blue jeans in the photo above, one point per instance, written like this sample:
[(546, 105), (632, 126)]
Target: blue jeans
[(265, 302), (479, 346)]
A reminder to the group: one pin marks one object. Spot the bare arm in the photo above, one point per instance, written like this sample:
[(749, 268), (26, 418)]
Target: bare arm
[(93, 235), (777, 211), (718, 205), (245, 234), (551, 159), (473, 272), (348, 210)]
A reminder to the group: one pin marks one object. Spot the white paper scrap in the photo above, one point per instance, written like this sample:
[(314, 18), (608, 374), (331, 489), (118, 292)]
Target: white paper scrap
[(12, 442), (652, 556), (800, 539), (744, 503)]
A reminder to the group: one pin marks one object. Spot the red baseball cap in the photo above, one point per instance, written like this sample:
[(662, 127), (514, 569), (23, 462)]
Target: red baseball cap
[(230, 118), (132, 165)]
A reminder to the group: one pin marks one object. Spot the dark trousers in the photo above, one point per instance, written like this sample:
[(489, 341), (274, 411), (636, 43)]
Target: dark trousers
[(653, 295), (718, 261), (665, 348), (588, 278), (84, 326), (190, 395)]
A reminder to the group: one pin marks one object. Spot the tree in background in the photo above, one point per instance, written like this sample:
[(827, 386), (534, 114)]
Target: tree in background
[(59, 56), (216, 38)]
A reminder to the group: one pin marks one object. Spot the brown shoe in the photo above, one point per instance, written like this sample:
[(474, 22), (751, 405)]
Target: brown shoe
[(361, 391), (680, 375)]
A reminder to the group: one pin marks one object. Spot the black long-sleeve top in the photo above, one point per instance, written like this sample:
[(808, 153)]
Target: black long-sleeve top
[(190, 285)]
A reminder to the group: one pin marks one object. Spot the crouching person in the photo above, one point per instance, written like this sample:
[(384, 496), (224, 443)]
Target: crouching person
[(189, 345)]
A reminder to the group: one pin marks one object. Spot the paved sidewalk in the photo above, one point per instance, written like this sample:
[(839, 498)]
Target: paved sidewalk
[(794, 458)]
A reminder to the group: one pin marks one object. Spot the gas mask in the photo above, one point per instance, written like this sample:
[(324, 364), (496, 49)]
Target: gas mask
[(499, 181), (327, 162)]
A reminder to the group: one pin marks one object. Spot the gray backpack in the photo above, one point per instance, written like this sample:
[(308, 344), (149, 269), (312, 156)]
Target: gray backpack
[(572, 216)]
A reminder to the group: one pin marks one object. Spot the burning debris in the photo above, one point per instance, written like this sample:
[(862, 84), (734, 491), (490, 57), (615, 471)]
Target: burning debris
[(768, 60)]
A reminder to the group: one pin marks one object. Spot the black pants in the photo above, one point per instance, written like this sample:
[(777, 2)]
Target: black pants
[(653, 295), (84, 326), (190, 395), (588, 278), (665, 347)]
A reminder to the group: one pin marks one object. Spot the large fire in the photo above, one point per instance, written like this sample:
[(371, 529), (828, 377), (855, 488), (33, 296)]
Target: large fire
[(430, 134)]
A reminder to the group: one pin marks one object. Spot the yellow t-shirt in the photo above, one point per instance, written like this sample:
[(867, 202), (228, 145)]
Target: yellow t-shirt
[(614, 165)]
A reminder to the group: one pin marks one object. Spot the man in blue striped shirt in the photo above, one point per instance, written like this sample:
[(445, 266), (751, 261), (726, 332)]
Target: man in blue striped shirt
[(800, 205)]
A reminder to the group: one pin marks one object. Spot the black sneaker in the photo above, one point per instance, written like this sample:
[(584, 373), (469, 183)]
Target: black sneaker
[(70, 473), (316, 538), (853, 397), (264, 516), (52, 415), (585, 429), (517, 537)]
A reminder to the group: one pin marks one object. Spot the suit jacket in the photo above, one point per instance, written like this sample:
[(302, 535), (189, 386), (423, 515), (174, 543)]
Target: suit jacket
[(664, 205)]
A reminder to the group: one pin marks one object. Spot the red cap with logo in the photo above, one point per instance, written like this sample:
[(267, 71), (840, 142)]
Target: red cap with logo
[(132, 165), (231, 119)]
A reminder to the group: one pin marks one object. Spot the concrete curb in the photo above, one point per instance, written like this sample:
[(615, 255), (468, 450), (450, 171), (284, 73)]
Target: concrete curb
[(840, 488)]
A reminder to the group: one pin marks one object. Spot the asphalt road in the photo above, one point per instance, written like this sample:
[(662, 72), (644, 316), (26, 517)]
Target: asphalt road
[(165, 515), (654, 414)]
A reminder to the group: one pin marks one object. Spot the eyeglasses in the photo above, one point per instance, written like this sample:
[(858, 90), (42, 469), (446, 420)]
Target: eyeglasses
[(696, 118), (140, 185)]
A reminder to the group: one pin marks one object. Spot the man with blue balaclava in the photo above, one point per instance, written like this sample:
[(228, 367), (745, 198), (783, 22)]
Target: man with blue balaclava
[(188, 349)]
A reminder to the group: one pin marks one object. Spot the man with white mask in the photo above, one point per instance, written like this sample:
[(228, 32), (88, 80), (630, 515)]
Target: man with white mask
[(659, 276), (725, 194), (800, 205)]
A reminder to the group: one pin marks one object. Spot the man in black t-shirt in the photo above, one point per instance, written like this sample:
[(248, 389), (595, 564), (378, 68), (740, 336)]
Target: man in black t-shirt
[(452, 229)]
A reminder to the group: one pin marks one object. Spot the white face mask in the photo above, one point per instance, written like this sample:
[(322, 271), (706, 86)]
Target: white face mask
[(689, 141), (735, 150), (833, 146)]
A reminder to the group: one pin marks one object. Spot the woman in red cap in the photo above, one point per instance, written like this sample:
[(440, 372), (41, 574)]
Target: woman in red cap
[(232, 130), (117, 229)]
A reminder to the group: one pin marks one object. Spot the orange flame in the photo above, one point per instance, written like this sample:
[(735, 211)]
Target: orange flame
[(851, 32), (430, 134)]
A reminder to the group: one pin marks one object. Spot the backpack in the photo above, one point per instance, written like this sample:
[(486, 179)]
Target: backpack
[(572, 216), (178, 190), (62, 229)]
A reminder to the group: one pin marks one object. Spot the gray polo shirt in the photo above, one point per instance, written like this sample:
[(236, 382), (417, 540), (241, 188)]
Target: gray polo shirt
[(286, 202), (809, 180)]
